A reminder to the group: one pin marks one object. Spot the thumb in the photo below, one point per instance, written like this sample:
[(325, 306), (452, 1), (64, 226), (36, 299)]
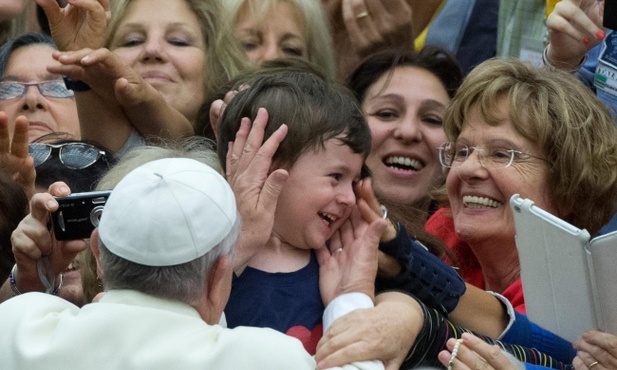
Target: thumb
[(272, 188), (127, 93), (375, 230)]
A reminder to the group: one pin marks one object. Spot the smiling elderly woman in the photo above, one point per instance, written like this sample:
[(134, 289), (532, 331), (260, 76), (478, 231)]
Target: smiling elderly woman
[(516, 129)]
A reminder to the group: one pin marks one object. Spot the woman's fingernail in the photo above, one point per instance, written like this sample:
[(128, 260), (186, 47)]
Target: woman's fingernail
[(586, 41), (600, 35), (51, 203)]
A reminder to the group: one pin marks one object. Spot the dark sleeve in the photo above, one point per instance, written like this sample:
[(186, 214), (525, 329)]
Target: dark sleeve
[(422, 274), (525, 333), (437, 330)]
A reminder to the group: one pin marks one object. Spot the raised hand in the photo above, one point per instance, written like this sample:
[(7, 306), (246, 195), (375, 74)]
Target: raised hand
[(574, 27), (14, 158), (372, 24), (136, 103), (257, 189), (80, 24)]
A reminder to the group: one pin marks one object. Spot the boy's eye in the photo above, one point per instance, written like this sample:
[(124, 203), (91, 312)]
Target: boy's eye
[(336, 176)]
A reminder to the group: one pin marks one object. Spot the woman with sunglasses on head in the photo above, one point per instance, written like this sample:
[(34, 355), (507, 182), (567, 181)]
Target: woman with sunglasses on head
[(28, 89), (79, 165)]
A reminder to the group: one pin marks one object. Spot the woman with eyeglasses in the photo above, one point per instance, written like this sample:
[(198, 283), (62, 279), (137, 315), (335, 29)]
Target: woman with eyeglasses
[(516, 130), (28, 89)]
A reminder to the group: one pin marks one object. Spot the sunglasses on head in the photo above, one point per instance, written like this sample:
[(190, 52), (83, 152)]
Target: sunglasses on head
[(50, 89), (75, 156)]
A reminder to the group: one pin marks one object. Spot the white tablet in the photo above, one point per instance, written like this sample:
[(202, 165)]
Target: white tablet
[(569, 283)]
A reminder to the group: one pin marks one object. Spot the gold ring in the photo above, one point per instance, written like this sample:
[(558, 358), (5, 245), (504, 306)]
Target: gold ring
[(362, 15), (593, 364)]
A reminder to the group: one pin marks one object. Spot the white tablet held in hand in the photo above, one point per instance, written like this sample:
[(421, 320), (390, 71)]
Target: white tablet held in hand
[(569, 281)]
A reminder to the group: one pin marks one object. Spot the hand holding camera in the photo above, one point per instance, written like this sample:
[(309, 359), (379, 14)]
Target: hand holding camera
[(32, 240)]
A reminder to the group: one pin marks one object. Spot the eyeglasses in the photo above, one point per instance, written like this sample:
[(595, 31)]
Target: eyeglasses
[(50, 89), (75, 156), (452, 154)]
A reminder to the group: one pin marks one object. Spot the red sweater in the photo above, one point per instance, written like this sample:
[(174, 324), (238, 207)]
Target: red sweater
[(441, 224)]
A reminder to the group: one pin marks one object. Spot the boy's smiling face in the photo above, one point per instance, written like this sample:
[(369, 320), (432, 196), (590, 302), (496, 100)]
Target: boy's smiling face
[(318, 195)]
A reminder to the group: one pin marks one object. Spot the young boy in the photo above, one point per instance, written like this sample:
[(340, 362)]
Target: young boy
[(323, 153)]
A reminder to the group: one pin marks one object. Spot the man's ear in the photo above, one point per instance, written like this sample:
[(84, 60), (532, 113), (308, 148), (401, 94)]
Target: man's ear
[(218, 289), (94, 245)]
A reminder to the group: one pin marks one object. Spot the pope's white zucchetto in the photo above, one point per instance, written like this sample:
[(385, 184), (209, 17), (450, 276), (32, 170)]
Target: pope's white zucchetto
[(168, 212)]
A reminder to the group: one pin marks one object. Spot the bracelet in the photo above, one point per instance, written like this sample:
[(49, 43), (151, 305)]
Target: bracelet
[(457, 344), (547, 62), (75, 85), (16, 291)]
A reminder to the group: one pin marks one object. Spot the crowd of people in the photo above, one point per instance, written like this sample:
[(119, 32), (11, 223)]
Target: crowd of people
[(295, 184)]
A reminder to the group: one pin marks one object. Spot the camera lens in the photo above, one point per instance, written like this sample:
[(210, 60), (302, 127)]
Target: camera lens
[(95, 215)]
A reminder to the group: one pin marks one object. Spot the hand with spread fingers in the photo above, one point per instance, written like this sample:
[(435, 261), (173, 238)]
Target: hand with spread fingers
[(127, 99), (574, 27), (108, 77), (248, 164), (471, 352), (596, 350), (80, 24), (14, 158)]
